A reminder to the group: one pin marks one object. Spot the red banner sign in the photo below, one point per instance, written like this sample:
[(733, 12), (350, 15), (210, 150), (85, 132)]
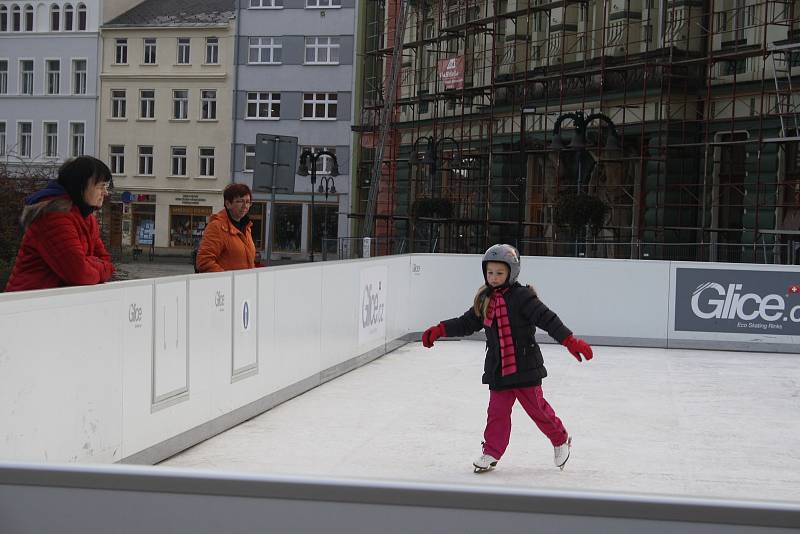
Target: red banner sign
[(451, 72)]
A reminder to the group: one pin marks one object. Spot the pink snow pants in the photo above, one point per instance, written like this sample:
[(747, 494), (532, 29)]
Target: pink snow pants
[(498, 422)]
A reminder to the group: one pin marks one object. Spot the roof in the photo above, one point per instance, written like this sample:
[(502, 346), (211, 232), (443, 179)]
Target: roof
[(177, 13)]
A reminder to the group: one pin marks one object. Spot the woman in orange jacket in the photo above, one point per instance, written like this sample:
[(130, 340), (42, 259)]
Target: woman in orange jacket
[(227, 243)]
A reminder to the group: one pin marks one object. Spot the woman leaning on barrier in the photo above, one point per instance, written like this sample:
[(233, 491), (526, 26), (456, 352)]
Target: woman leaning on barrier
[(61, 245), (227, 243)]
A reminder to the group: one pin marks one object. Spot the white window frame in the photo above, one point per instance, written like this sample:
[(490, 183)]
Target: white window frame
[(79, 77), (77, 143), (50, 74), (144, 160), (49, 140), (148, 103), (180, 105), (28, 18), (259, 99), (15, 21), (22, 77), (3, 137), (208, 105), (119, 104), (116, 160), (212, 51), (121, 51), (323, 4), (313, 43), (149, 51), (207, 161), (4, 77), (24, 146), (179, 159), (184, 48), (265, 4), (69, 16), (5, 19), (315, 101), (82, 16), (249, 152), (55, 17), (271, 46)]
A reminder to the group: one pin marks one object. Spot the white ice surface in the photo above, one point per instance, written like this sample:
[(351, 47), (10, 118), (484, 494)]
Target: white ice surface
[(681, 422)]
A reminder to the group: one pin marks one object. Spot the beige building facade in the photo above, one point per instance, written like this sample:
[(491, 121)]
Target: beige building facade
[(165, 122)]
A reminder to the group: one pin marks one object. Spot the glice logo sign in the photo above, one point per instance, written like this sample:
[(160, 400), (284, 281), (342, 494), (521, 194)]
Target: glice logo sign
[(719, 300), (372, 304), (135, 315)]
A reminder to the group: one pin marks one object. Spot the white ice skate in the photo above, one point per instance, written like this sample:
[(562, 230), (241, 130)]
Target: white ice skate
[(562, 453), (484, 462)]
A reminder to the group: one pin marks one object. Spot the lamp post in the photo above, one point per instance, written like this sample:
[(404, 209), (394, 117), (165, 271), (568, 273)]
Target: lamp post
[(578, 143), (430, 157), (303, 170), (326, 186)]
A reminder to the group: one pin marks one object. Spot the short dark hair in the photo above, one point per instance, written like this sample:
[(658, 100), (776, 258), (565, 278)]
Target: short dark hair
[(74, 175), (234, 191)]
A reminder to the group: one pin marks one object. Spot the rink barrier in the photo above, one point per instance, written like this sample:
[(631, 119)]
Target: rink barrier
[(143, 369), (134, 499)]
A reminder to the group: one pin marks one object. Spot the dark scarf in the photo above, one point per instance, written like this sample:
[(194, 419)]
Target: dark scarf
[(241, 224), (497, 309)]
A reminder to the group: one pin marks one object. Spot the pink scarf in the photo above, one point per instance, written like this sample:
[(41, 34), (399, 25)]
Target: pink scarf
[(497, 309)]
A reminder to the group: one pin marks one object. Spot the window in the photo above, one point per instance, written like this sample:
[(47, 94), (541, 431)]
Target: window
[(55, 18), (118, 104), (183, 50), (265, 50), (266, 4), (68, 15), (28, 18), (206, 162), (149, 51), (733, 67), (117, 158), (26, 76), (322, 50), (249, 158), (263, 105), (77, 139), (147, 104), (53, 68), (146, 160), (208, 104), (648, 32), (121, 52), (323, 3), (81, 17), (212, 50), (319, 105), (180, 104), (78, 76), (3, 19), (2, 138), (324, 162), (186, 224), (288, 223), (16, 19), (3, 76), (24, 137), (179, 161), (50, 139)]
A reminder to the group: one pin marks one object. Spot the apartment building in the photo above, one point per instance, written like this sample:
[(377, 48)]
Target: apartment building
[(295, 77), (165, 104)]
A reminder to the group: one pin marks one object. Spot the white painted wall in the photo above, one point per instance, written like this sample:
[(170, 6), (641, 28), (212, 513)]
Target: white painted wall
[(102, 373)]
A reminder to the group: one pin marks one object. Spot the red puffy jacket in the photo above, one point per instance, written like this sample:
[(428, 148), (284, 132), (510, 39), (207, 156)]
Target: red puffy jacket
[(60, 247)]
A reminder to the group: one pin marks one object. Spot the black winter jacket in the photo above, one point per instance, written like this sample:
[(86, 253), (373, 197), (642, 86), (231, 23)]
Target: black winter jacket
[(525, 313)]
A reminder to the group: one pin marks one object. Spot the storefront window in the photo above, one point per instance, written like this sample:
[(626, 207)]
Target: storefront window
[(323, 215), (144, 224), (186, 225), (256, 214), (288, 222)]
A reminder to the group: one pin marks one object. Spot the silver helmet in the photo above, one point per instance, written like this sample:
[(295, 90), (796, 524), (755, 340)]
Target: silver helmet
[(504, 254)]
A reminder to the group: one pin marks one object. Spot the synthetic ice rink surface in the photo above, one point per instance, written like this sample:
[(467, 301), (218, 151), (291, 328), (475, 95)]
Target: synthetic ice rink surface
[(681, 422)]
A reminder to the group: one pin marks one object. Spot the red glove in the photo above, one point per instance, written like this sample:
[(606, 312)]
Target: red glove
[(432, 334), (578, 347)]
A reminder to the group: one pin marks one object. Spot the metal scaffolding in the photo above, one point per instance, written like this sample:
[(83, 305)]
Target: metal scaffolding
[(696, 156)]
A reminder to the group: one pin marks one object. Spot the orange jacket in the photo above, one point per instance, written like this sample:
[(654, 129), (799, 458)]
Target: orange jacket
[(224, 247)]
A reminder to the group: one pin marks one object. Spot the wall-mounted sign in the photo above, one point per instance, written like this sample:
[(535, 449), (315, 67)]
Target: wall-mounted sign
[(190, 199), (451, 72), (372, 305), (127, 197)]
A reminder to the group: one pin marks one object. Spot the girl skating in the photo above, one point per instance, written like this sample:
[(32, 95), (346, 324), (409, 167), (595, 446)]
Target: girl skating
[(514, 368)]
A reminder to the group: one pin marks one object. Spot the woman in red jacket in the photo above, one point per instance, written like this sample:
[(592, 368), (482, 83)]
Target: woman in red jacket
[(61, 245)]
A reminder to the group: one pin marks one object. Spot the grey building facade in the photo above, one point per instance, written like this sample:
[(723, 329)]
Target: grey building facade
[(295, 77)]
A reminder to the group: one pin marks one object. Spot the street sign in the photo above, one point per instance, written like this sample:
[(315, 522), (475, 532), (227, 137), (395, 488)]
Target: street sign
[(275, 163)]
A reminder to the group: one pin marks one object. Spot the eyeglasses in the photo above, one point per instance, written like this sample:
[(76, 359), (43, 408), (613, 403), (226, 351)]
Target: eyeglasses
[(242, 201), (104, 186)]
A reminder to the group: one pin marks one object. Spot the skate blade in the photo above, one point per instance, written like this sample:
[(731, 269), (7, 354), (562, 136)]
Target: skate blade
[(569, 450), (483, 469)]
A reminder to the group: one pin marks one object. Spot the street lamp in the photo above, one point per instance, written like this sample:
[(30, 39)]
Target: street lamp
[(326, 186), (303, 170)]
